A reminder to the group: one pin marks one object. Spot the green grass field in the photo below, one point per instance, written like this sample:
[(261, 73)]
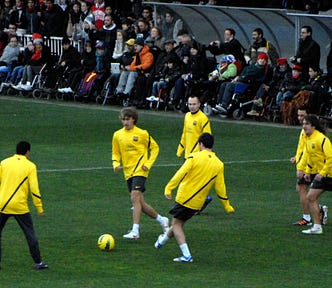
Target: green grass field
[(83, 198)]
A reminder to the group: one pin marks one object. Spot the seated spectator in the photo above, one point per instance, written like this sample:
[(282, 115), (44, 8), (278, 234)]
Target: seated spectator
[(142, 62), (168, 76), (127, 26), (156, 38), (271, 88), (252, 75), (40, 57), (290, 85), (9, 56)]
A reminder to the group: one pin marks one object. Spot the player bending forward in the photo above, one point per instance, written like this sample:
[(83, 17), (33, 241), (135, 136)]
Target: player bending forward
[(200, 172)]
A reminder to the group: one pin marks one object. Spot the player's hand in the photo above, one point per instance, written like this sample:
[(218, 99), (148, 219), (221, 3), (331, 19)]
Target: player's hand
[(292, 160), (318, 177), (41, 214), (299, 174), (117, 169), (145, 168), (168, 196), (307, 177)]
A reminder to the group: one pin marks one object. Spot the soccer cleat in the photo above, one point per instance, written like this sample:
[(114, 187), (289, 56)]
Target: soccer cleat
[(206, 203), (131, 235), (313, 231), (183, 259), (165, 224), (158, 244), (41, 266), (323, 212), (303, 222)]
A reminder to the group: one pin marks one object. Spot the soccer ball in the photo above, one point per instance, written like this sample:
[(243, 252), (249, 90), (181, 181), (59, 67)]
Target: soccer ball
[(106, 242)]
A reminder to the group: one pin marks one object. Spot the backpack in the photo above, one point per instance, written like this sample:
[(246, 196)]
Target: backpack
[(87, 83)]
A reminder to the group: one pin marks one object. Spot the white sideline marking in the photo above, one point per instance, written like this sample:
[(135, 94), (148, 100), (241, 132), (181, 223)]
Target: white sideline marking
[(158, 165)]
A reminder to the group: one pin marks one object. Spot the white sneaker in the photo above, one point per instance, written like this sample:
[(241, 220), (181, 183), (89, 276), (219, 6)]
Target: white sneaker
[(26, 87), (183, 259), (158, 244), (325, 217), (18, 86), (68, 90), (165, 224), (131, 235), (313, 231), (61, 90), (152, 98)]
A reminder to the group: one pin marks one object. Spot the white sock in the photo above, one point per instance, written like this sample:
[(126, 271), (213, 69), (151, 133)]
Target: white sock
[(306, 217), (135, 228), (185, 250), (317, 226), (160, 219), (164, 239)]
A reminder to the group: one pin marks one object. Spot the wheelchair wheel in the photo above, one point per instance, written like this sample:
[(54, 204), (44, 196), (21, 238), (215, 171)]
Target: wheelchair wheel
[(25, 93), (207, 109), (37, 94), (238, 114), (59, 96), (125, 102)]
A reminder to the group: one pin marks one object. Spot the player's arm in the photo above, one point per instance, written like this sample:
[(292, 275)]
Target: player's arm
[(327, 149), (182, 143), (34, 190), (154, 151), (116, 154), (220, 188)]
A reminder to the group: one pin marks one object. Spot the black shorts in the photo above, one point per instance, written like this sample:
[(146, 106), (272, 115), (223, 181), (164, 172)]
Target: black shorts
[(136, 183), (302, 181), (182, 213), (325, 184)]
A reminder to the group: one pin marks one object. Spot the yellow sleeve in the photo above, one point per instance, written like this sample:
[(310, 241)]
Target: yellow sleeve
[(182, 143), (154, 151), (116, 153), (34, 190), (327, 168), (220, 188)]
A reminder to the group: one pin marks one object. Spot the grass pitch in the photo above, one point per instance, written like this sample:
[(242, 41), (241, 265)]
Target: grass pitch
[(83, 198)]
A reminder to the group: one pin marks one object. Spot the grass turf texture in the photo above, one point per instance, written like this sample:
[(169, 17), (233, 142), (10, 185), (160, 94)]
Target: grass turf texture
[(83, 198)]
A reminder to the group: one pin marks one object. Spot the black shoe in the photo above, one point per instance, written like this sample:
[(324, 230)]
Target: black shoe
[(206, 203), (41, 266)]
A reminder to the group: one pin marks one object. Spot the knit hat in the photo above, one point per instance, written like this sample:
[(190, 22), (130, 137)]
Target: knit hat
[(282, 61), (37, 38), (130, 42), (297, 67), (139, 41), (100, 45), (263, 55)]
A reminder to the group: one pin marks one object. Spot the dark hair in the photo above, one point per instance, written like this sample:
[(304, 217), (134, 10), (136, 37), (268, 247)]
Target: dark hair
[(308, 28), (304, 108), (130, 112), (23, 147), (232, 31), (65, 40), (259, 31), (207, 140), (314, 121)]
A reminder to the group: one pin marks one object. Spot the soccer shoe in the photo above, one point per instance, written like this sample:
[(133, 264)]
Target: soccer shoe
[(302, 222), (131, 235), (165, 224), (41, 266), (183, 259), (253, 113), (221, 108), (206, 203), (313, 231), (152, 98), (158, 244), (323, 212)]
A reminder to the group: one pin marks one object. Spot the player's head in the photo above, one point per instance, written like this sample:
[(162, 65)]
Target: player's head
[(193, 103), (207, 140), (129, 112), (311, 123), (23, 147), (301, 112)]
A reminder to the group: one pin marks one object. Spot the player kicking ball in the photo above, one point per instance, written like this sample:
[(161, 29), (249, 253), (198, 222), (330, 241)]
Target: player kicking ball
[(196, 177)]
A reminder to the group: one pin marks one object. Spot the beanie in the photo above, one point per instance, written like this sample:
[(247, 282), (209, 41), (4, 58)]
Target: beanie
[(37, 38), (282, 61), (263, 55)]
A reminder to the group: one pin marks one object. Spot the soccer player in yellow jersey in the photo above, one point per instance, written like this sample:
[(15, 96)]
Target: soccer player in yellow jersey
[(317, 161), (200, 172), (18, 179), (137, 151), (195, 124), (302, 185)]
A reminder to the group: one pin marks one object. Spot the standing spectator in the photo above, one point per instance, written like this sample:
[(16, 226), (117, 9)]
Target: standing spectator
[(316, 161), (196, 177), (108, 34), (127, 26), (98, 12), (171, 26), (52, 20), (260, 44), (6, 7), (18, 177), (120, 44), (18, 17), (147, 14), (308, 51), (137, 151), (230, 46), (32, 17), (74, 18)]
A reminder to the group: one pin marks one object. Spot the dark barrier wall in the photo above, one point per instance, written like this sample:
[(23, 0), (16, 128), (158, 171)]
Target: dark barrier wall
[(207, 23)]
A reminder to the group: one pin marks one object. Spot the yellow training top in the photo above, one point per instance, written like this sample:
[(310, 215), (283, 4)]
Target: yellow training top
[(18, 177), (200, 172), (134, 148), (195, 124)]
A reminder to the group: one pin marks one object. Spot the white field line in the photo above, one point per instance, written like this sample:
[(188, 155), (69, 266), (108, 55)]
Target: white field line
[(157, 165)]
